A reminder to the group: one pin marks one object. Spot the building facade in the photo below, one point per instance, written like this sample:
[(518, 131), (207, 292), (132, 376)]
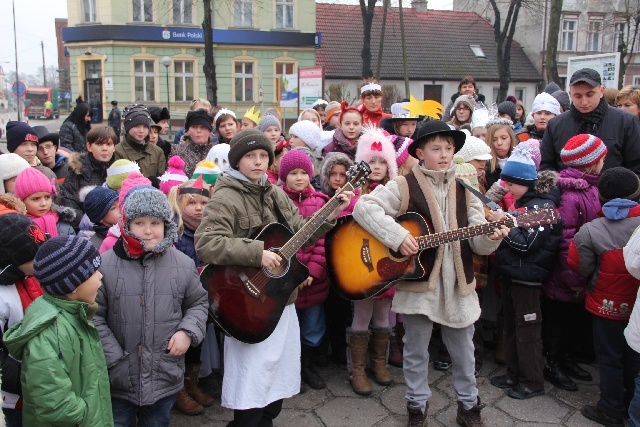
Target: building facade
[(117, 47)]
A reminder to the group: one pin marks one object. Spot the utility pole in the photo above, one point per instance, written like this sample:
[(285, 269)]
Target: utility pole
[(404, 52), (382, 30), (15, 44), (209, 67), (44, 68)]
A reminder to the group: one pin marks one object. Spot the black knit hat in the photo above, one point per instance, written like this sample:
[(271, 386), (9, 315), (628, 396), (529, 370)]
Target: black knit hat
[(20, 239), (159, 113), (199, 117), (64, 263), (248, 140), (19, 132), (134, 115), (53, 137), (508, 107), (618, 183), (98, 203)]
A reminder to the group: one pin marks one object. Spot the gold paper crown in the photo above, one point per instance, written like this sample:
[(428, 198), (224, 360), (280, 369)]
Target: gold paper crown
[(253, 114)]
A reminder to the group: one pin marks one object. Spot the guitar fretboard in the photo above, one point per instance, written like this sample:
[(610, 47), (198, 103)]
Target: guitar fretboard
[(437, 239)]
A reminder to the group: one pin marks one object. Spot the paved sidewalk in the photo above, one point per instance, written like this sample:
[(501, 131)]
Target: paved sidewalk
[(338, 406)]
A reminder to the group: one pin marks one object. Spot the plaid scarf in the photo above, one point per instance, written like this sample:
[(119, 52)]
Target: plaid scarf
[(590, 122)]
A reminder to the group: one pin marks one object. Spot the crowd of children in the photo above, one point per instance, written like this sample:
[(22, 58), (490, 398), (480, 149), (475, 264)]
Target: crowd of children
[(102, 249)]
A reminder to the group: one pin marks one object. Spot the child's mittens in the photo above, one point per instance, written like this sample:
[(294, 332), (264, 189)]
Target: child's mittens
[(497, 192)]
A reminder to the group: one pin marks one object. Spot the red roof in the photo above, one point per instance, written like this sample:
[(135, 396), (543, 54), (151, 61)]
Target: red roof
[(437, 45)]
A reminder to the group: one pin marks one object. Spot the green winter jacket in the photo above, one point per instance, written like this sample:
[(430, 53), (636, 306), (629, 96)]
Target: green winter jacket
[(64, 373)]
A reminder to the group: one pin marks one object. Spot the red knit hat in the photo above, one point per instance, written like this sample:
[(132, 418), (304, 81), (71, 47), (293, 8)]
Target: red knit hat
[(30, 181), (582, 151), (295, 159)]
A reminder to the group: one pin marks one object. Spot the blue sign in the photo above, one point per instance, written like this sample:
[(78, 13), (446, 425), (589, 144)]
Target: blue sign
[(67, 95), (19, 88), (318, 40)]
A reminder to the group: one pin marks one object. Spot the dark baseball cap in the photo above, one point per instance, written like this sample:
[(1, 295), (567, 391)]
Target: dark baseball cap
[(586, 75)]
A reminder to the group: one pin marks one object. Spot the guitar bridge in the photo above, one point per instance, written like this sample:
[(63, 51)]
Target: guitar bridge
[(365, 255), (251, 288)]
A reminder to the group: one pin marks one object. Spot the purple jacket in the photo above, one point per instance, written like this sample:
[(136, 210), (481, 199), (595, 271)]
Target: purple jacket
[(308, 203), (340, 144), (579, 204)]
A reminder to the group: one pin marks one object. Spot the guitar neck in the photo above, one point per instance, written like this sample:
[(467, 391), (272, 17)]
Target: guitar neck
[(437, 239), (311, 226)]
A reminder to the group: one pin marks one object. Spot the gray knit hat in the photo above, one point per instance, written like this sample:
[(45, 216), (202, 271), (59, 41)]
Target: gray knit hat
[(134, 115), (509, 108), (248, 140), (64, 263), (268, 120)]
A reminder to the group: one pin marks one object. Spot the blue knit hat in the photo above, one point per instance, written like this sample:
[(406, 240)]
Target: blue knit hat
[(98, 202), (64, 263), (520, 168)]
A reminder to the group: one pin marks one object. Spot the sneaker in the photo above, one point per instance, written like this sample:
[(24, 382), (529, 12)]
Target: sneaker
[(470, 417), (596, 415), (441, 365)]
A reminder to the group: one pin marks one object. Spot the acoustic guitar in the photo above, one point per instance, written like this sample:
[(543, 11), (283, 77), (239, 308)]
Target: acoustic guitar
[(247, 302), (361, 267)]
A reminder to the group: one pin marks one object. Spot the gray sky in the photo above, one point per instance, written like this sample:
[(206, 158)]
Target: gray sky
[(35, 24)]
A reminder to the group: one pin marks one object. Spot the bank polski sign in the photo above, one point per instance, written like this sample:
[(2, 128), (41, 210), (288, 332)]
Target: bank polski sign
[(311, 80), (182, 34)]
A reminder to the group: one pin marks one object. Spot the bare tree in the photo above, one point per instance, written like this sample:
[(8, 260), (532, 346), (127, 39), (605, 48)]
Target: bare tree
[(503, 34), (553, 32), (367, 9), (628, 38), (386, 6)]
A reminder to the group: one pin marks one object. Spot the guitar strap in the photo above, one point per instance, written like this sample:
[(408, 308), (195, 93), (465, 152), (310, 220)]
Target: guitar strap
[(279, 215), (484, 199)]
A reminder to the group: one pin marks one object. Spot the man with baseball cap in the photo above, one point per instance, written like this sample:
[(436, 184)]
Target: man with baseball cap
[(589, 113)]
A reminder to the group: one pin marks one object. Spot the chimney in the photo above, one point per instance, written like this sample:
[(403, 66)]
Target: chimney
[(420, 5)]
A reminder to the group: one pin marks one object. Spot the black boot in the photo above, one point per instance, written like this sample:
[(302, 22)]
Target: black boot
[(572, 369), (555, 376), (321, 356), (309, 374)]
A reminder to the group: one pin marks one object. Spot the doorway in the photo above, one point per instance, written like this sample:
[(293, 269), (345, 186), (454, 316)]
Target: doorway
[(93, 91)]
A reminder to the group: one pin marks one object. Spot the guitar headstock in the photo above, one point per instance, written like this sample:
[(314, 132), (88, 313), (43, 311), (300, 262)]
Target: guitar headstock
[(537, 217), (358, 173)]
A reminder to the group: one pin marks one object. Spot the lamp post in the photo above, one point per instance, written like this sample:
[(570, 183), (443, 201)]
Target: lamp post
[(166, 61)]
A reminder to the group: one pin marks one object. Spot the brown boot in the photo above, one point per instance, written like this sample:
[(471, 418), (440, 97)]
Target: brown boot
[(416, 417), (358, 342), (470, 417), (396, 346), (191, 386), (187, 405), (378, 345)]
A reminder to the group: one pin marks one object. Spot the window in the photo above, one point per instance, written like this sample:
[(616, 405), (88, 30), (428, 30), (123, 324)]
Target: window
[(284, 13), (243, 73), (183, 71), (520, 94), (477, 51), (569, 34), (142, 10), (636, 80), (145, 83), (183, 11), (243, 13), (92, 69), (283, 68), (89, 10), (619, 36), (594, 42)]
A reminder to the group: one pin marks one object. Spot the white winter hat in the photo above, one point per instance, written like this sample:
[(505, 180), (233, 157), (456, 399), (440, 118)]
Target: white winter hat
[(309, 132), (546, 102), (10, 166), (474, 149), (480, 117)]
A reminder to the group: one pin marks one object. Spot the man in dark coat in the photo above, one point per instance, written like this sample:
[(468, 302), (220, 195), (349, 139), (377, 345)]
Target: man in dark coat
[(590, 113)]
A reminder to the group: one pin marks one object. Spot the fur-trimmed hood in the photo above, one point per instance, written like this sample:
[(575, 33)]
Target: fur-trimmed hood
[(329, 162), (546, 182), (9, 202), (81, 164), (65, 214)]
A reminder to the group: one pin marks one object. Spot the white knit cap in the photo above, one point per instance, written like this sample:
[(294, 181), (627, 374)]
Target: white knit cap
[(474, 149), (308, 132), (10, 166), (546, 102)]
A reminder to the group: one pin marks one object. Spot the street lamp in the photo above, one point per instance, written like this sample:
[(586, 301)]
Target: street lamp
[(166, 61)]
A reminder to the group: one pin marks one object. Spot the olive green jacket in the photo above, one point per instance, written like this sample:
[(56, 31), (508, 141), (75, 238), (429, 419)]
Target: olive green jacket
[(149, 157)]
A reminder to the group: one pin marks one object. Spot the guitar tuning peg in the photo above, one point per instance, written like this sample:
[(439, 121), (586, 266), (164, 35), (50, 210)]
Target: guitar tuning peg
[(541, 228)]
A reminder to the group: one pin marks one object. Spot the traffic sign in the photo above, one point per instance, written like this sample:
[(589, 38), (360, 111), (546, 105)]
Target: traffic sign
[(19, 88)]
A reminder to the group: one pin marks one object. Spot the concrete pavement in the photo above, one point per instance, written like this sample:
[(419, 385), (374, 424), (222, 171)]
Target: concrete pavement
[(338, 406)]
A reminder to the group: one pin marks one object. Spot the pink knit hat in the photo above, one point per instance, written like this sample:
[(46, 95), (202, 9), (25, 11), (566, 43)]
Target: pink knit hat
[(401, 145), (174, 175), (135, 179), (294, 159), (535, 151), (30, 181), (374, 143)]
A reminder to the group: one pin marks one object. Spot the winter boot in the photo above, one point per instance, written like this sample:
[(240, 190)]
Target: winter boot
[(321, 356), (396, 346), (378, 345), (573, 370), (308, 372), (416, 417), (358, 342), (191, 385), (186, 404), (555, 376), (470, 417)]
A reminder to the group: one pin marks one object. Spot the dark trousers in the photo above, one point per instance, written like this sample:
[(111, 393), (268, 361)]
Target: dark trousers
[(523, 334), (125, 413), (566, 329), (618, 366), (337, 314), (257, 417), (12, 417)]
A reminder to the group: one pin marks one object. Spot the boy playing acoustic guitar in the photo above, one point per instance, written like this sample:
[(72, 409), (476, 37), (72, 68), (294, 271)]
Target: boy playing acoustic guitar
[(448, 295), (258, 376)]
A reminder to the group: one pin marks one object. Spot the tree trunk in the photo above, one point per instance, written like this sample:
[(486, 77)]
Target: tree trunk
[(209, 67), (407, 89), (367, 11), (504, 39), (382, 30), (552, 41)]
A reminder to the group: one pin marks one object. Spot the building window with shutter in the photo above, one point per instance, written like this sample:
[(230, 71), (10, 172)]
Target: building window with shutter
[(619, 36), (144, 80), (569, 27), (183, 80), (284, 14), (243, 77), (89, 10), (142, 10), (183, 11), (594, 42), (243, 13)]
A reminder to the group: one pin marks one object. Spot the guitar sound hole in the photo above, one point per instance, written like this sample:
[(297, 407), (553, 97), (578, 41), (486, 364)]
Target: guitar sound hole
[(281, 270)]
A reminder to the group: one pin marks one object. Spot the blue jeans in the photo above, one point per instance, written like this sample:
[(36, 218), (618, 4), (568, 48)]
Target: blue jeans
[(312, 325), (12, 417), (634, 406), (156, 415)]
